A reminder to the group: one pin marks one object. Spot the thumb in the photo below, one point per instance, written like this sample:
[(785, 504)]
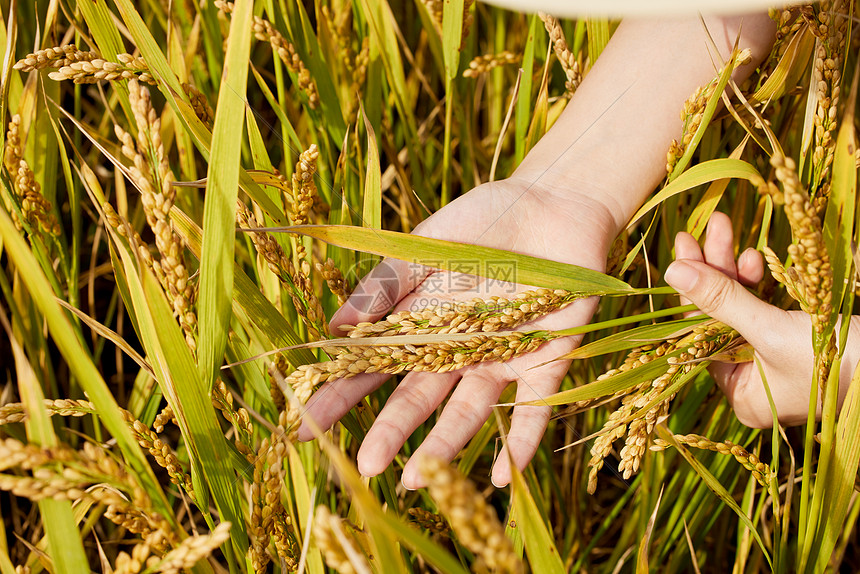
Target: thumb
[(380, 290), (722, 298)]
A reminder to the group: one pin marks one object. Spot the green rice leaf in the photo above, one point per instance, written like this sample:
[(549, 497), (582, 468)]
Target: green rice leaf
[(540, 547), (844, 464), (452, 33), (67, 552), (598, 36), (523, 113), (715, 486), (247, 296), (187, 394), (496, 264), (608, 386), (219, 209), (372, 210), (636, 337), (705, 172), (793, 64), (79, 361)]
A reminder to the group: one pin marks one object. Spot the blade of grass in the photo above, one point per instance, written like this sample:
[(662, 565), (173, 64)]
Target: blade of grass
[(452, 33), (636, 337), (705, 172), (715, 486), (79, 361), (597, 30), (219, 209), (642, 554), (189, 400), (540, 548), (371, 216), (445, 254), (524, 96), (247, 295), (66, 552)]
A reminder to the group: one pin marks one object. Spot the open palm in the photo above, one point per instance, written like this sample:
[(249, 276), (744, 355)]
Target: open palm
[(514, 215)]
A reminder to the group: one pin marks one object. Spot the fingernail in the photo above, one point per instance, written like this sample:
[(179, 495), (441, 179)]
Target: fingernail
[(404, 485), (493, 480), (682, 276)]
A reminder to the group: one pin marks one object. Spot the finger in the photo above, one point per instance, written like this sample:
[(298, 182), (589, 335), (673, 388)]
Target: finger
[(335, 398), (726, 300), (719, 245), (411, 403), (467, 410), (379, 291), (528, 422), (750, 267), (686, 247)]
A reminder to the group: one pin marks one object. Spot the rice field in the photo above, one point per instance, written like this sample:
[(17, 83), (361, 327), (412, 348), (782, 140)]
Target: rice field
[(190, 190)]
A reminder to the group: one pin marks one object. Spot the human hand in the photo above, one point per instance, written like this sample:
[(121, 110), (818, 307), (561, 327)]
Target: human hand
[(782, 340), (512, 214)]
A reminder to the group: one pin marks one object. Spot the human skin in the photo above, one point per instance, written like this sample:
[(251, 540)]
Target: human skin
[(711, 279), (567, 201)]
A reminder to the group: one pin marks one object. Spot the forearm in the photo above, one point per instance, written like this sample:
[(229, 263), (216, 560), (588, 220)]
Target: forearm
[(612, 139)]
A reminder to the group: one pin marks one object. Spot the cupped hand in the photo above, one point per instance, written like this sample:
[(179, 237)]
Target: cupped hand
[(514, 215), (782, 340)]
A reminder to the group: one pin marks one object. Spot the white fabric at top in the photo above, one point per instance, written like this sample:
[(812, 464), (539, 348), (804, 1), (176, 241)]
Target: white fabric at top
[(619, 8)]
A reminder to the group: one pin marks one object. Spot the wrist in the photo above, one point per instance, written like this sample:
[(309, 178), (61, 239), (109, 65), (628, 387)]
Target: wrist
[(587, 211)]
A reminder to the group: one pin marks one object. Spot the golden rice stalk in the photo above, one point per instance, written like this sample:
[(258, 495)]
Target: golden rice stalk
[(278, 370), (468, 18), (160, 451), (475, 316), (429, 521), (302, 292), (704, 341), (200, 103), (264, 31), (265, 498), (165, 417), (565, 57), (151, 527), (788, 22), (56, 57), (268, 516), (483, 64), (14, 151), (191, 550), (127, 67), (222, 399), (474, 522), (393, 359), (337, 549), (152, 175), (760, 471), (694, 111), (303, 186), (832, 31), (335, 280), (36, 210), (16, 413), (435, 8), (787, 277), (135, 562), (808, 251), (91, 473)]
